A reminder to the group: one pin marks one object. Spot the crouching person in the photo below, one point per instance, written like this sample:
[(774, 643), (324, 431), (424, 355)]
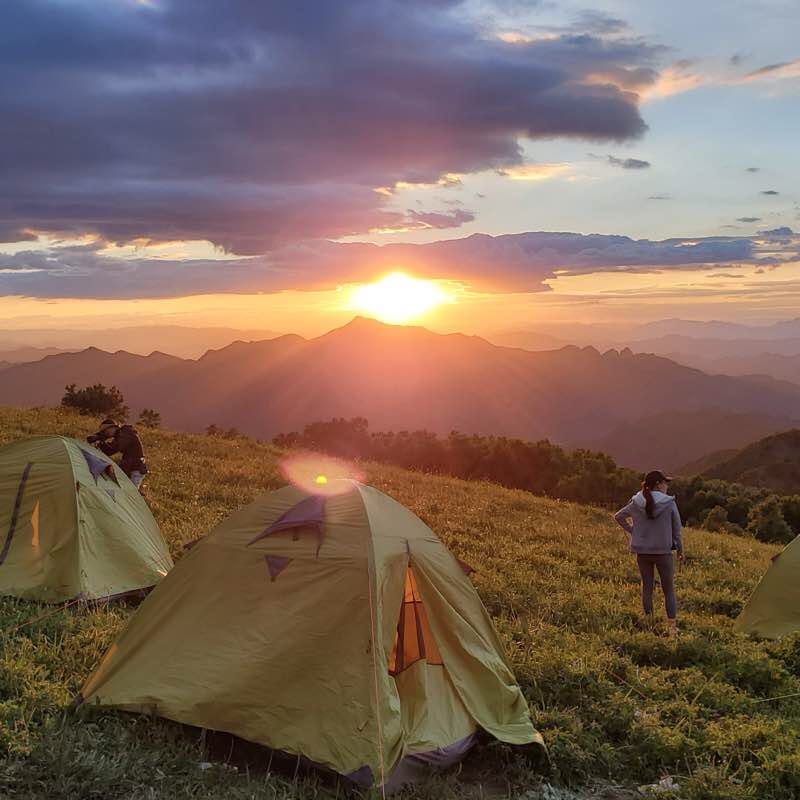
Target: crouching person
[(114, 438)]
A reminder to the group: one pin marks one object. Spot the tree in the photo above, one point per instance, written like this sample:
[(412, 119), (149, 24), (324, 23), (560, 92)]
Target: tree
[(96, 400), (213, 430), (149, 418), (716, 520), (766, 522)]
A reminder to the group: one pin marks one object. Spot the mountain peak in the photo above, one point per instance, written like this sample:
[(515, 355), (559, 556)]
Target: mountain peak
[(366, 326), (370, 323)]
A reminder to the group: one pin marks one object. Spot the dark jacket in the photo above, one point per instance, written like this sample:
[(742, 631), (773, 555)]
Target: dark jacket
[(659, 535), (127, 442)]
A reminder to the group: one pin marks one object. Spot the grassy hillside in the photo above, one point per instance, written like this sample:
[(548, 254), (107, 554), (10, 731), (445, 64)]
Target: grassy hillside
[(613, 701), (771, 463)]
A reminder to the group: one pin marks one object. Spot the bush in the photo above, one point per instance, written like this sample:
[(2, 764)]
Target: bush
[(149, 418), (766, 522), (96, 400), (716, 520)]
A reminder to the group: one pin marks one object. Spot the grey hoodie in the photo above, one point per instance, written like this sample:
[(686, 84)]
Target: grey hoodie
[(656, 536)]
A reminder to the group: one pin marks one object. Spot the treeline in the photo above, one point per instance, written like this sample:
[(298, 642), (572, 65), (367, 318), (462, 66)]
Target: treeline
[(545, 469), (718, 505), (539, 467)]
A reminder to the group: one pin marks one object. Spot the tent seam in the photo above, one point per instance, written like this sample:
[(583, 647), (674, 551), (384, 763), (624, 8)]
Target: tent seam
[(371, 586), (66, 444)]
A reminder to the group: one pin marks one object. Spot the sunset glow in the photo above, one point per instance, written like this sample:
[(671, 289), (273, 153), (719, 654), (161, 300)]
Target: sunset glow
[(319, 474), (397, 298)]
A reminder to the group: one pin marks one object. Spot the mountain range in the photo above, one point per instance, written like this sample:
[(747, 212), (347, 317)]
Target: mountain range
[(409, 378), (770, 463), (724, 348), (27, 344)]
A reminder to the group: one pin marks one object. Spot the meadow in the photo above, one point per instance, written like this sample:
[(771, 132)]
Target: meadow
[(619, 706)]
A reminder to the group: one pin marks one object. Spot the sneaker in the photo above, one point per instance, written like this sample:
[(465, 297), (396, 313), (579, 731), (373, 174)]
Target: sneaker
[(672, 628)]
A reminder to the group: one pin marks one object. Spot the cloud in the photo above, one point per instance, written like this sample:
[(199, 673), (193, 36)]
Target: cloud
[(440, 220), (678, 78), (534, 172), (628, 163), (686, 75), (446, 181), (660, 197), (778, 232), (510, 263), (748, 219), (275, 122), (597, 22), (770, 192), (774, 72)]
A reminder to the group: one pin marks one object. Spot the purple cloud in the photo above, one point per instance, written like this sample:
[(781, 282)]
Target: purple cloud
[(266, 123), (514, 262), (628, 163)]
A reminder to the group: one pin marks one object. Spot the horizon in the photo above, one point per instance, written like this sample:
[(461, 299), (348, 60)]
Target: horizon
[(532, 164)]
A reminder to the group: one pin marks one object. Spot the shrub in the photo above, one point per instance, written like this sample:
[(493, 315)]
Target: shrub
[(766, 522), (716, 519), (96, 400), (149, 418)]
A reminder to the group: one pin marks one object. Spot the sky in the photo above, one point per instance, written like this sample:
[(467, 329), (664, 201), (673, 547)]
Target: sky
[(251, 164)]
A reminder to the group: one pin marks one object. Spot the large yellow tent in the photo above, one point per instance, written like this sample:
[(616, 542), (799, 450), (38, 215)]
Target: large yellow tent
[(72, 524), (773, 610), (337, 628)]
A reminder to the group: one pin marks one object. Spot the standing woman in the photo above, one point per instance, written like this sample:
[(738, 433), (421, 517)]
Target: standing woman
[(652, 521)]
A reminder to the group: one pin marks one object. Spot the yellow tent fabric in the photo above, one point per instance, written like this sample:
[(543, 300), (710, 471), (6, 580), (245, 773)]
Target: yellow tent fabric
[(774, 607), (282, 626), (72, 524)]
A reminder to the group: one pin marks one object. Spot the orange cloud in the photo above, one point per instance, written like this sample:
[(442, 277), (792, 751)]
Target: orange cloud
[(773, 72), (444, 181), (535, 172), (675, 79)]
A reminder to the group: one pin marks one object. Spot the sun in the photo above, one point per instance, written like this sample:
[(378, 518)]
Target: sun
[(397, 298)]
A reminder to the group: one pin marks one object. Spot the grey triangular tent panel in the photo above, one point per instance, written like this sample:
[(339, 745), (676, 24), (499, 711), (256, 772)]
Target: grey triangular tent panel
[(276, 565), (97, 466), (308, 513)]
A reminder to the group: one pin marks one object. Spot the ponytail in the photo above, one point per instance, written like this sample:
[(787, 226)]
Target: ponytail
[(649, 503), (651, 480)]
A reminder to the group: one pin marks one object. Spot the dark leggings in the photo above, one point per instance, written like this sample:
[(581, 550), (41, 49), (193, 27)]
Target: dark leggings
[(666, 571)]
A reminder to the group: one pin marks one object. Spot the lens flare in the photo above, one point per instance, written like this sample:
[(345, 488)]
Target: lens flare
[(398, 298), (316, 473)]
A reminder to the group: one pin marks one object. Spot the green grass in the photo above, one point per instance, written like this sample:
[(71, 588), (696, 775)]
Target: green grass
[(616, 704)]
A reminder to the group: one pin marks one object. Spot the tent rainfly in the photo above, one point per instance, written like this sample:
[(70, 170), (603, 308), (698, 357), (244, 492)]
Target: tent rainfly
[(73, 525), (773, 610), (337, 628)]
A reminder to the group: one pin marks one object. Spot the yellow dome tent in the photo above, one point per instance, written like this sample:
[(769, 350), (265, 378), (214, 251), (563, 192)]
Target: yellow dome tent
[(333, 627), (73, 525), (773, 610)]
